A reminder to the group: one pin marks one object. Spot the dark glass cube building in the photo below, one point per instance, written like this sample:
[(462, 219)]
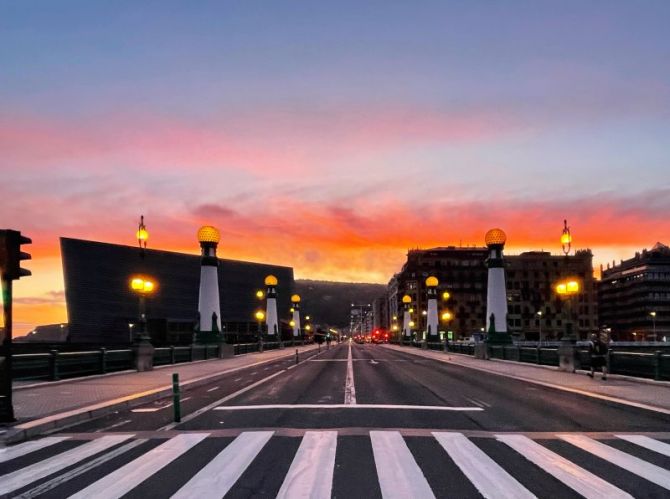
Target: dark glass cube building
[(101, 306)]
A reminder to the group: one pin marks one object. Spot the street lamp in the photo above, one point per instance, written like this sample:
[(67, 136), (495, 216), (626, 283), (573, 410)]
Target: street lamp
[(142, 236), (260, 315), (566, 238), (142, 286), (130, 331), (259, 294), (539, 314), (653, 322), (568, 289)]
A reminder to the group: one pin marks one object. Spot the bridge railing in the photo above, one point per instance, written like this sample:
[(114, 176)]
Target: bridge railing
[(644, 363), (55, 365)]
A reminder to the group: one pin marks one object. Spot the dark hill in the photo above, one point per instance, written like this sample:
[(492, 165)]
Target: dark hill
[(330, 302)]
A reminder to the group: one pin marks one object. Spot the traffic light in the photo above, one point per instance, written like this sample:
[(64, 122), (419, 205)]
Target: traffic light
[(11, 254)]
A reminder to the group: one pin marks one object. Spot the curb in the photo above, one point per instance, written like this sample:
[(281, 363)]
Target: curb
[(47, 424)]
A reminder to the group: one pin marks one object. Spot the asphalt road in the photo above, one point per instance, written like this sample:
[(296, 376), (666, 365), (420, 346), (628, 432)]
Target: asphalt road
[(355, 421)]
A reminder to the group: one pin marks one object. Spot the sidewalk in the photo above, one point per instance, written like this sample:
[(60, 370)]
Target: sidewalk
[(641, 393), (45, 406)]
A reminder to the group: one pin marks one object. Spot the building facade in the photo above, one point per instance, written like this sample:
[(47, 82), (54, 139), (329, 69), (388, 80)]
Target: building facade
[(530, 280), (102, 309), (634, 296)]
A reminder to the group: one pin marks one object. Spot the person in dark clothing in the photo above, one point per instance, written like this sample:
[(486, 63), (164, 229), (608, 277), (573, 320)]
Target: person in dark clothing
[(598, 346)]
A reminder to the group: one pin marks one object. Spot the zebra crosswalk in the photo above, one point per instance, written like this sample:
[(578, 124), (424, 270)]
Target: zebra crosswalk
[(320, 464)]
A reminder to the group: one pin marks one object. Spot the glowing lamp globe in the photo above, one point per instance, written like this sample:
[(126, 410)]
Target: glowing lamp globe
[(260, 315), (407, 299), (143, 235), (295, 299), (432, 282), (271, 280), (566, 238), (495, 237), (208, 234)]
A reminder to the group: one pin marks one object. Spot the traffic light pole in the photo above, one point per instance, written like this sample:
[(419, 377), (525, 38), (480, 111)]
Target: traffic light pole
[(6, 406)]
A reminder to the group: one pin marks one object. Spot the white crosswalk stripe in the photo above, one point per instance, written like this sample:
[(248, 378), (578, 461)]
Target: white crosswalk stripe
[(313, 467), (226, 468), (9, 453), (311, 472), (484, 473), (126, 478), (648, 471), (41, 469), (575, 477), (647, 443), (399, 475)]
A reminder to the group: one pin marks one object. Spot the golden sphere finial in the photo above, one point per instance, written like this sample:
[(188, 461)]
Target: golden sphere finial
[(432, 282), (271, 280), (407, 299), (208, 234), (495, 237), (295, 299)]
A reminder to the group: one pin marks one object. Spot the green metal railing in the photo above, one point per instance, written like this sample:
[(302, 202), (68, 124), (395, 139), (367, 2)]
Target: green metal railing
[(644, 364), (56, 365)]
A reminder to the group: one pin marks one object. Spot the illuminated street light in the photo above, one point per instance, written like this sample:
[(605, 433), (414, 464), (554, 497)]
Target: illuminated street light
[(446, 316), (539, 314), (142, 236), (142, 286), (260, 316), (260, 294), (446, 295), (566, 238), (567, 289), (653, 321)]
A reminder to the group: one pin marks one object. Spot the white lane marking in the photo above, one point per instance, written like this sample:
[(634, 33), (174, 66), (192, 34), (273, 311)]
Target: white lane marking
[(578, 479), (213, 405), (349, 387), (485, 404), (486, 475), (185, 399), (346, 406), (110, 427), (24, 476), (648, 471), (373, 362), (79, 470), (213, 389), (221, 473), (26, 448), (647, 443), (399, 475), (473, 401), (311, 472), (152, 409), (237, 379), (129, 476)]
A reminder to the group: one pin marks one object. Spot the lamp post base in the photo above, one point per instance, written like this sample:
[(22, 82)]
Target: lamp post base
[(568, 359), (143, 356)]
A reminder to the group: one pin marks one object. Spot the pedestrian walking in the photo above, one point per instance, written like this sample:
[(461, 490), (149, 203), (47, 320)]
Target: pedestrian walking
[(598, 347)]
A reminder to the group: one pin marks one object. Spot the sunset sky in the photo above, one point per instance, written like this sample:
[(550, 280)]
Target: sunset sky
[(331, 136)]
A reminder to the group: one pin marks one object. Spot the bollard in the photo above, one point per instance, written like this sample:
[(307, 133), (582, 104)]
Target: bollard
[(173, 355), (103, 360), (657, 365), (175, 398), (53, 365), (296, 355)]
